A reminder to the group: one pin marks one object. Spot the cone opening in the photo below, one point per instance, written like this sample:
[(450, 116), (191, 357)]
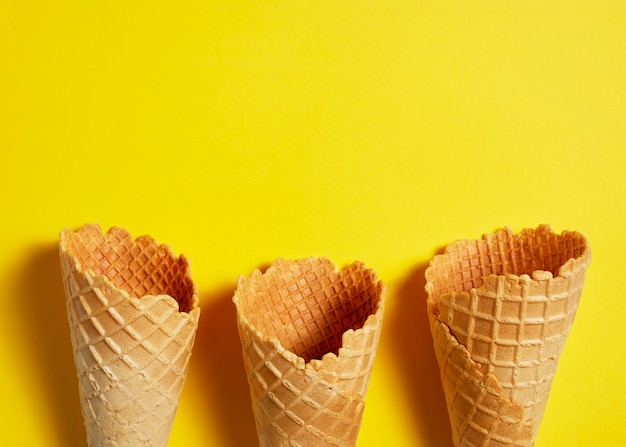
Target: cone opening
[(141, 267), (308, 305), (466, 263)]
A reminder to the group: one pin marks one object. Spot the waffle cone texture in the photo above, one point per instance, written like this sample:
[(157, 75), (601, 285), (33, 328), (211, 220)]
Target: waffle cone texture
[(500, 310), (133, 313), (309, 335)]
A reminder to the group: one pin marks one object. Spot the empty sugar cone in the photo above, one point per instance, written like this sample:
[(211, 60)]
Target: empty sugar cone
[(133, 312), (500, 311), (309, 335)]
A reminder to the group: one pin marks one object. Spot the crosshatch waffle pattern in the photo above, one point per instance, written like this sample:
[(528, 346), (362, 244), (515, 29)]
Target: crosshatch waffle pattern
[(513, 326), (480, 415), (309, 335), (140, 267), (131, 352)]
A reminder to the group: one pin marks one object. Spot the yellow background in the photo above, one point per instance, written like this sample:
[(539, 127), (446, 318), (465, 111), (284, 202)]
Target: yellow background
[(242, 131)]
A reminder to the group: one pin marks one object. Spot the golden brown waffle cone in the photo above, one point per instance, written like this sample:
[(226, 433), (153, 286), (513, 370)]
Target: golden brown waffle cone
[(133, 313), (500, 310), (309, 335)]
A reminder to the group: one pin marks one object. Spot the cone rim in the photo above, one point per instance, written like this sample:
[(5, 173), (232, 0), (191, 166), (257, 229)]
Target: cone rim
[(568, 268), (94, 277), (372, 323)]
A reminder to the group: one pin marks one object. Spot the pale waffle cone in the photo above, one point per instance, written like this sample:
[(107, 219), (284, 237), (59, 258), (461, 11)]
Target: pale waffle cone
[(133, 313), (309, 335), (500, 310)]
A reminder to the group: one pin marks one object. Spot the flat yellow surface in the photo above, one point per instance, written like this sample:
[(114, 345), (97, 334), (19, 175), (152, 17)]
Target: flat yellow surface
[(242, 131)]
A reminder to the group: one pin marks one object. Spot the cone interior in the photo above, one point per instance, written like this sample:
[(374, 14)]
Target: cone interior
[(466, 263), (141, 267), (307, 304)]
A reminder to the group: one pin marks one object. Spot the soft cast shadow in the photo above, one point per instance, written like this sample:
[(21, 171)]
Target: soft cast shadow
[(415, 356), (217, 353), (38, 291)]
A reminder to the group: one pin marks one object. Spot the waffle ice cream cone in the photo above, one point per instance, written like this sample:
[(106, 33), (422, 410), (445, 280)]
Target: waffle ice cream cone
[(309, 335), (133, 312), (500, 310)]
